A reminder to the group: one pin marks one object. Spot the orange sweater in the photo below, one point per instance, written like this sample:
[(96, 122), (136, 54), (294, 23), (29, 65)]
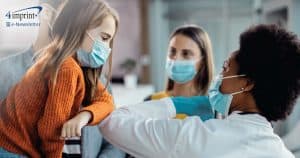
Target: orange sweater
[(31, 119)]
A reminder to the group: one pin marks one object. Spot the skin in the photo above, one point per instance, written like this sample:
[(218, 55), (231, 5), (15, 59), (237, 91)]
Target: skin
[(243, 101), (183, 48), (104, 32)]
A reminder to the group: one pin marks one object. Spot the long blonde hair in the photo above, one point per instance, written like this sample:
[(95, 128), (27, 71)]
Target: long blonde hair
[(204, 75), (69, 30)]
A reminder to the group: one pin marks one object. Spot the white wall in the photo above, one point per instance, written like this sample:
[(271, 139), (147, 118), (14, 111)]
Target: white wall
[(13, 39), (128, 40)]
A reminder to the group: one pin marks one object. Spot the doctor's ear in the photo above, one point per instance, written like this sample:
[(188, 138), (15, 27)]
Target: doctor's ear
[(249, 85)]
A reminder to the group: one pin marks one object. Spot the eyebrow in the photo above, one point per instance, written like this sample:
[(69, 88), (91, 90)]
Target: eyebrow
[(187, 50), (173, 47), (227, 63)]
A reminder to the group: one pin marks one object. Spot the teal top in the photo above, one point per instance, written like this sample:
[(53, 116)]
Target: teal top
[(196, 105)]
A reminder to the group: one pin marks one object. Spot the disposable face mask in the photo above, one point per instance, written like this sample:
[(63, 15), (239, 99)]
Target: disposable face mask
[(97, 57), (219, 101), (181, 71)]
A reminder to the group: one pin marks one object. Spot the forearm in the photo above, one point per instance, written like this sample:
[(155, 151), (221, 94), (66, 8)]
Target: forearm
[(102, 105), (129, 128), (98, 112)]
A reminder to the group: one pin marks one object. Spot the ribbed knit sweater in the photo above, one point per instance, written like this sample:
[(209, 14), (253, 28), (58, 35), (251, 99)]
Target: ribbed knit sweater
[(31, 118)]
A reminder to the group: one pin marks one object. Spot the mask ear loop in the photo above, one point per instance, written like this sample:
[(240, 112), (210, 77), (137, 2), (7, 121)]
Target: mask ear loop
[(234, 76), (90, 36), (241, 91), (94, 39)]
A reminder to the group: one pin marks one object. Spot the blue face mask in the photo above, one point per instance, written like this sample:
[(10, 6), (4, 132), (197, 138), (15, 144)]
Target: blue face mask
[(219, 101), (181, 71), (96, 58)]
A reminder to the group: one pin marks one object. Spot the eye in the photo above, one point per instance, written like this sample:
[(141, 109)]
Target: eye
[(187, 54), (172, 52), (104, 38), (225, 66)]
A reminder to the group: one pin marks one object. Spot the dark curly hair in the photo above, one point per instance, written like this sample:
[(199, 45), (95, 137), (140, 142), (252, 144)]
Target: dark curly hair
[(270, 57)]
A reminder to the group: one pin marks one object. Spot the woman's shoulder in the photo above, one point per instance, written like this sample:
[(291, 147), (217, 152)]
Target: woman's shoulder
[(158, 95), (70, 67), (70, 64)]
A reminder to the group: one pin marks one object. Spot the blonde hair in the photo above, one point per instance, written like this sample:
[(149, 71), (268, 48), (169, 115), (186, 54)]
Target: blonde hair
[(69, 30), (204, 75)]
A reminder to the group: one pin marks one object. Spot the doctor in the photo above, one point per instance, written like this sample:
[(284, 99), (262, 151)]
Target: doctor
[(260, 82)]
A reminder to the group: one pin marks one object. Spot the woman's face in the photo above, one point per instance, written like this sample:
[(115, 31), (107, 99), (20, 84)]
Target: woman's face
[(105, 32), (236, 84), (184, 48)]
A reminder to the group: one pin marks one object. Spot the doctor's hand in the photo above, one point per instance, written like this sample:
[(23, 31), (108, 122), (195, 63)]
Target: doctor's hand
[(72, 128)]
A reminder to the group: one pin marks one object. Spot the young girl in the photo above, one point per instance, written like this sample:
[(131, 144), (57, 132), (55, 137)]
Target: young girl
[(189, 64), (34, 116)]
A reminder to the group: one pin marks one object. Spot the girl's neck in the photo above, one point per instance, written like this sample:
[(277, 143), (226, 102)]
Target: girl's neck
[(186, 90)]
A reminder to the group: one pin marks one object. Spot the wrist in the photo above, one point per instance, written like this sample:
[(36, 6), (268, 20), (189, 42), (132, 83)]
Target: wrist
[(86, 115)]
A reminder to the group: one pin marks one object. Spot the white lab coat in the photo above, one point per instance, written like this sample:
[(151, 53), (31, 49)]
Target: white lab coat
[(290, 130), (292, 140), (146, 130)]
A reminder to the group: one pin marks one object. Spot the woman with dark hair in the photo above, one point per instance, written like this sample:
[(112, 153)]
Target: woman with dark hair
[(260, 82), (189, 64)]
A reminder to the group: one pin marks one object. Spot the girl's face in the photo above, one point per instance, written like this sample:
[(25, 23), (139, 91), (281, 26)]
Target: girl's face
[(184, 48), (105, 32)]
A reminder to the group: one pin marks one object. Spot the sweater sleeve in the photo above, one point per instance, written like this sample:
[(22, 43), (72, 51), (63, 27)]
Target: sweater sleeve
[(101, 106), (56, 112)]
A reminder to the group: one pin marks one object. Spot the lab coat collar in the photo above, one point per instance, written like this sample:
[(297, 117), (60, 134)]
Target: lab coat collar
[(255, 119)]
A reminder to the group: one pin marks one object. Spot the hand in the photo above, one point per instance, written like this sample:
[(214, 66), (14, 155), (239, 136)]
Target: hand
[(72, 128)]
